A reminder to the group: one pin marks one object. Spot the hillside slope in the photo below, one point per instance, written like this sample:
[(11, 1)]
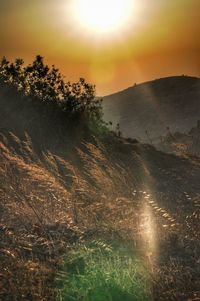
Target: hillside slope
[(153, 106), (61, 184)]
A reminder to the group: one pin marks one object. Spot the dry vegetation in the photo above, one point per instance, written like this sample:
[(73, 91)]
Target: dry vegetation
[(50, 204), (182, 143)]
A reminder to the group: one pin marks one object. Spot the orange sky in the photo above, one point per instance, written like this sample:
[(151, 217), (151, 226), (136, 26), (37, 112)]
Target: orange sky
[(162, 39)]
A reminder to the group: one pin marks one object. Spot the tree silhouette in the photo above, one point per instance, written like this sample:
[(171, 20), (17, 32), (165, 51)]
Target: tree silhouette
[(39, 81)]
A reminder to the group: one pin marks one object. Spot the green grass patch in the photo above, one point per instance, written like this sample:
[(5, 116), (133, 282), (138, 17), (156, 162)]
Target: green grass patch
[(100, 272)]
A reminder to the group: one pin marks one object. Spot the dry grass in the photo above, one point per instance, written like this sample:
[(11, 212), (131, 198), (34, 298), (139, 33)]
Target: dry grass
[(50, 202)]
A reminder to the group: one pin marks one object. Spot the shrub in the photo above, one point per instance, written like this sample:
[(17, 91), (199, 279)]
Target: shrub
[(39, 81)]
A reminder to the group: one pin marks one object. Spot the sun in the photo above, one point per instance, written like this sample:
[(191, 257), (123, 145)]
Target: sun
[(102, 17)]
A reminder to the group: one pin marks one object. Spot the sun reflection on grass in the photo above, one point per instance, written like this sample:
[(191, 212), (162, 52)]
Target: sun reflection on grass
[(148, 231)]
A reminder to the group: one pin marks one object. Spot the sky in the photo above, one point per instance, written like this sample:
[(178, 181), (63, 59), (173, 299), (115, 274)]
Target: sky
[(112, 44)]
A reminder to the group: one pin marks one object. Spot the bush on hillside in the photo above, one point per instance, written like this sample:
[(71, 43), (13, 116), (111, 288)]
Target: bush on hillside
[(46, 84)]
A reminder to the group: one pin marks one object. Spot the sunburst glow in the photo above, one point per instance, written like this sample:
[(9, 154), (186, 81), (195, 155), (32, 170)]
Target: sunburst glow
[(102, 16)]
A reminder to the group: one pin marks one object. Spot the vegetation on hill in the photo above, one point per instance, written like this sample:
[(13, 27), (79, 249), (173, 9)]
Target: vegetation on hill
[(182, 143), (45, 84), (87, 215)]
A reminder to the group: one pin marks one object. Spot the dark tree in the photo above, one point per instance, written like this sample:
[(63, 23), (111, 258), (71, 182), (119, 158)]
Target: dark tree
[(39, 81)]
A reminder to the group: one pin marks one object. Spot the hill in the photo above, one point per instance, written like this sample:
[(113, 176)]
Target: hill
[(145, 111), (64, 184)]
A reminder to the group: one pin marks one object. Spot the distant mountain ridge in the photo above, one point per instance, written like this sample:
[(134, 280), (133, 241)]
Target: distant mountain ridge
[(145, 111)]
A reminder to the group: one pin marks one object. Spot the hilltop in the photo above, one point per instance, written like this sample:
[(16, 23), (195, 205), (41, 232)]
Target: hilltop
[(148, 111)]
